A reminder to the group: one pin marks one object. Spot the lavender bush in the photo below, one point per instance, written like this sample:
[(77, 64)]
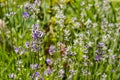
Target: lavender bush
[(59, 40)]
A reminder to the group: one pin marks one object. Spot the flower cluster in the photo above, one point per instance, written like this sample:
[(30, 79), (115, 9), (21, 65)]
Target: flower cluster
[(100, 52), (37, 37), (33, 7)]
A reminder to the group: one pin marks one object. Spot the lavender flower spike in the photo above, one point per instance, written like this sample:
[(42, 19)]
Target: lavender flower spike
[(101, 45), (37, 74), (16, 50), (51, 49), (97, 58), (48, 61), (27, 45), (25, 15)]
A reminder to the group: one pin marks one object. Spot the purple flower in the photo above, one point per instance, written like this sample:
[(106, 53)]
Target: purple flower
[(51, 49), (35, 36), (101, 45), (48, 71), (41, 34), (97, 51), (25, 15), (26, 5), (45, 72), (34, 47), (27, 45), (16, 50), (48, 61), (35, 27), (37, 2), (36, 33), (102, 52), (97, 57), (34, 66), (37, 74)]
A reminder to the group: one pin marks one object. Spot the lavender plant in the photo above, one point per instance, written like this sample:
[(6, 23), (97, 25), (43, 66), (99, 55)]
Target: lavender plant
[(59, 40)]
